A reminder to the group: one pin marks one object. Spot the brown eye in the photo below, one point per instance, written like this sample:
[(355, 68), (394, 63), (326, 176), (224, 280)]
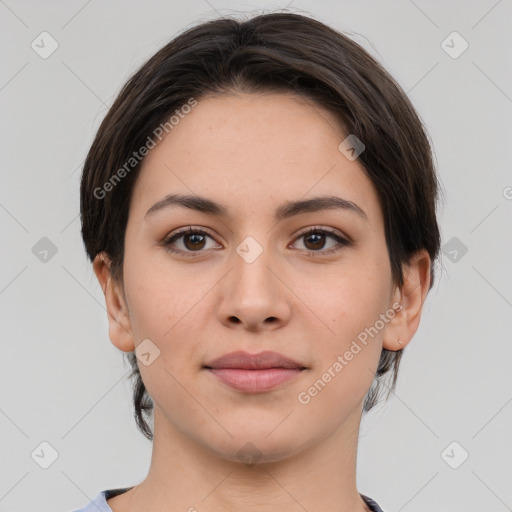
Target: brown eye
[(194, 241), (315, 240), (187, 241)]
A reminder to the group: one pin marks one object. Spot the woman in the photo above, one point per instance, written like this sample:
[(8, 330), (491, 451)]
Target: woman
[(259, 205)]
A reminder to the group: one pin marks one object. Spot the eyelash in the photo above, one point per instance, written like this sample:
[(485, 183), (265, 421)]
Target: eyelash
[(342, 242)]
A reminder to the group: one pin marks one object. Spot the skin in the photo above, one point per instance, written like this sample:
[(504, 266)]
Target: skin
[(252, 153)]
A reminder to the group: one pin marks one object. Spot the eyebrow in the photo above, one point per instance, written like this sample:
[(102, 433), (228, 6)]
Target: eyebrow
[(286, 210)]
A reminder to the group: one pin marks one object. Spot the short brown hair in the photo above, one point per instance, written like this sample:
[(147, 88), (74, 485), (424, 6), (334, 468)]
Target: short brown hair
[(277, 52)]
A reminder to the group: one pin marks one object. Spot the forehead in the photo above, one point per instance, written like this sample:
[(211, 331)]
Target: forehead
[(251, 152)]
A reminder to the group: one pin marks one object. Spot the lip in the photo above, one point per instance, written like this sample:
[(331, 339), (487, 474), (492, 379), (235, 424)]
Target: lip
[(254, 373), (244, 361)]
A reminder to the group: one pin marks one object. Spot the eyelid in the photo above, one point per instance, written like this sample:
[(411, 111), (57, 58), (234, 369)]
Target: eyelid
[(341, 239), (178, 233), (187, 230), (322, 229)]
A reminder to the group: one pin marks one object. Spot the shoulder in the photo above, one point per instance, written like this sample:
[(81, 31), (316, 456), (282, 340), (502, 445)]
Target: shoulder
[(99, 503), (372, 504)]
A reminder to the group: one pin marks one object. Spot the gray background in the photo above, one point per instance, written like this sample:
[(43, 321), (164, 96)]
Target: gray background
[(62, 382)]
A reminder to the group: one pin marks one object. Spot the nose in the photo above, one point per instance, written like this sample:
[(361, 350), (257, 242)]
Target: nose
[(254, 296)]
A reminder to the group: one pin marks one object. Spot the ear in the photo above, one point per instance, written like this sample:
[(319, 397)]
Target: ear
[(120, 331), (411, 296)]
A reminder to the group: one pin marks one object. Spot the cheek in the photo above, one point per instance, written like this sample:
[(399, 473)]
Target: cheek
[(347, 346), (154, 309), (348, 299), (166, 305), (159, 296), (164, 308)]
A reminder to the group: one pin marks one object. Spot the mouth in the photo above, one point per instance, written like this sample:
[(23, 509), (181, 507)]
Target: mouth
[(254, 373)]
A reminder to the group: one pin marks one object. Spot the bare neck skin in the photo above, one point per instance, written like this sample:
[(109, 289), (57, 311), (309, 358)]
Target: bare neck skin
[(186, 476)]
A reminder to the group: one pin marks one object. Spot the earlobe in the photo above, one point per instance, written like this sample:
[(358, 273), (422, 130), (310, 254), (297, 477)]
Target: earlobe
[(120, 331), (394, 338), (411, 296)]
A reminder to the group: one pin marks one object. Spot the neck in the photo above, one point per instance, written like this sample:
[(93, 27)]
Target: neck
[(185, 475)]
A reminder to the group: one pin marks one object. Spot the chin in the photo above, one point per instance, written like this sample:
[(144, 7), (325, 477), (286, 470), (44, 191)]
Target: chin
[(255, 446)]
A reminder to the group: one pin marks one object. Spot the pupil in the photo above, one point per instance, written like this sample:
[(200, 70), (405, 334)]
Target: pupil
[(196, 239), (318, 239)]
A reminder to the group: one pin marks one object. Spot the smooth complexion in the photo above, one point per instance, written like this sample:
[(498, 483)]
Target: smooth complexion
[(306, 297)]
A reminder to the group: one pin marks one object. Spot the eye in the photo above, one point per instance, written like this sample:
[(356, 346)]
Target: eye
[(315, 241), (191, 240)]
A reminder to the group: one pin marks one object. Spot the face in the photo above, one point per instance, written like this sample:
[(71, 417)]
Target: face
[(257, 275)]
